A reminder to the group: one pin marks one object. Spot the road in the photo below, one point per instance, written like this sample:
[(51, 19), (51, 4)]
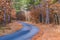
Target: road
[(26, 33)]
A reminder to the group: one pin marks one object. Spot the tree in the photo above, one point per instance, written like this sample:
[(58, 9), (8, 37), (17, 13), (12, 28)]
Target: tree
[(25, 4), (47, 6), (5, 6), (55, 6)]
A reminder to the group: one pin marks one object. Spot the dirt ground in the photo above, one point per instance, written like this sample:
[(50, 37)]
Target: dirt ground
[(47, 32)]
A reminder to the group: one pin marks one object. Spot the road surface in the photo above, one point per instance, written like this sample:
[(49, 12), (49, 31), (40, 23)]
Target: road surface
[(26, 33)]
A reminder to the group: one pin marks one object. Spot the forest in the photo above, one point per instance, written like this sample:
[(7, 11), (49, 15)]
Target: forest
[(48, 11), (45, 14), (15, 9)]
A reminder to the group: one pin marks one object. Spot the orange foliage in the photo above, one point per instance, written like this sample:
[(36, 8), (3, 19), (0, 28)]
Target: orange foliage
[(35, 14)]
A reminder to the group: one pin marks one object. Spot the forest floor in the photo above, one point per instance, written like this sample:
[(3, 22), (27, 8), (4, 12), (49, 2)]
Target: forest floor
[(10, 28), (47, 31)]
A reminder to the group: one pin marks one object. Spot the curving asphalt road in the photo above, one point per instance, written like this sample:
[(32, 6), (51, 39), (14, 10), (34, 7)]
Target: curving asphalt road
[(26, 33)]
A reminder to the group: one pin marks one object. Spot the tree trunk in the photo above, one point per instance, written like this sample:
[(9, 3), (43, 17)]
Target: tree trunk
[(47, 13), (4, 16)]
